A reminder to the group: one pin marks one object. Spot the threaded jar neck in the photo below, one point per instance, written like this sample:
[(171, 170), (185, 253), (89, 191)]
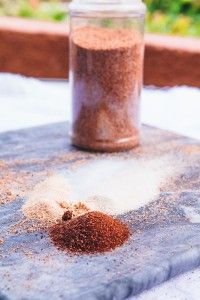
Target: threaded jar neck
[(107, 6)]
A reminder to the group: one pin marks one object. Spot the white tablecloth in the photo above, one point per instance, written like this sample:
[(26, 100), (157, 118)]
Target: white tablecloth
[(29, 102)]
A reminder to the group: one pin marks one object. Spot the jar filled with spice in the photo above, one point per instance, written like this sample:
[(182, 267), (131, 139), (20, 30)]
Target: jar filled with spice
[(106, 66)]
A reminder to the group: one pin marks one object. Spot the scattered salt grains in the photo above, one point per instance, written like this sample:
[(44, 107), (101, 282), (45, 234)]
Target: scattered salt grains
[(112, 186)]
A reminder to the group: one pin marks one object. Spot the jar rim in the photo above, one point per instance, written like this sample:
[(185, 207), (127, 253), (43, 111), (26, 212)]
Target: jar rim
[(107, 6)]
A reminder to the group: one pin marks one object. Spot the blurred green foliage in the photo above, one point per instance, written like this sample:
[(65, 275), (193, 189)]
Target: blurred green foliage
[(188, 7), (180, 17), (50, 10)]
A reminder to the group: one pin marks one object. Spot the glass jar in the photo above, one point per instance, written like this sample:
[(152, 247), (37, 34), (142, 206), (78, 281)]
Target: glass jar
[(106, 71)]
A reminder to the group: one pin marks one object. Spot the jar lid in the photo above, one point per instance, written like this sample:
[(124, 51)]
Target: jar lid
[(107, 6)]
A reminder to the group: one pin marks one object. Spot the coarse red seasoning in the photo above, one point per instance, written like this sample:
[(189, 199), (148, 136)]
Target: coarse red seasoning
[(106, 72), (92, 232)]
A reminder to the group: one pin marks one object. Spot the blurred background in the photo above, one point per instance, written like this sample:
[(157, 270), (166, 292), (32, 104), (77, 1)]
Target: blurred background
[(175, 17)]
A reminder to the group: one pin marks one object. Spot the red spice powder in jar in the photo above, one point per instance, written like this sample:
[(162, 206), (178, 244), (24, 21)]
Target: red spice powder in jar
[(92, 232), (106, 69)]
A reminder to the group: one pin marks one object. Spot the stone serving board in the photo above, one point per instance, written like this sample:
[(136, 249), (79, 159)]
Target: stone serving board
[(164, 243)]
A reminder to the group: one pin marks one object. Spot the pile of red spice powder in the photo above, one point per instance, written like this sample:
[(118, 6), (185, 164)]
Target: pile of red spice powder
[(93, 232)]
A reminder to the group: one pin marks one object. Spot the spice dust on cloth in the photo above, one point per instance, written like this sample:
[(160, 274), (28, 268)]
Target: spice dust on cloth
[(111, 186)]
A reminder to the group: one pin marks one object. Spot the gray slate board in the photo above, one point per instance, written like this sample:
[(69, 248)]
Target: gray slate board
[(165, 246)]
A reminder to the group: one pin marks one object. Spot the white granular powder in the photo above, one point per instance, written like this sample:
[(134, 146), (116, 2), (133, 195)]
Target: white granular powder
[(113, 186), (48, 201), (116, 186)]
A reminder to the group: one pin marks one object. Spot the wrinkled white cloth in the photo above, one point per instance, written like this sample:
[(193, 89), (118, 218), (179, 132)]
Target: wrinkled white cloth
[(27, 102)]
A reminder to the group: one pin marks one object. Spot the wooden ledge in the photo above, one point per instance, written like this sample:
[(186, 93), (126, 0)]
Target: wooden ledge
[(171, 61), (41, 49)]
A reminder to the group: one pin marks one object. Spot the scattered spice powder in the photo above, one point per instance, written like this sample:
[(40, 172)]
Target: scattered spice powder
[(107, 78), (12, 186), (191, 149), (92, 232)]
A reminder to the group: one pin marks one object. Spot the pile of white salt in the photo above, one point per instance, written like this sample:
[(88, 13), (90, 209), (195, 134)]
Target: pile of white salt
[(113, 186), (48, 201)]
